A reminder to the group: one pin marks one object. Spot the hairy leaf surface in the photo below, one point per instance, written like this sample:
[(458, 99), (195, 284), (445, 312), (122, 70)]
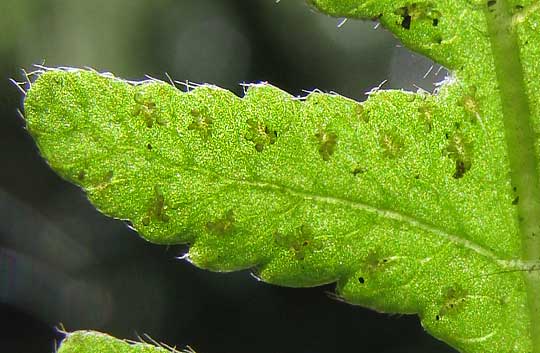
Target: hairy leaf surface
[(97, 342), (411, 202)]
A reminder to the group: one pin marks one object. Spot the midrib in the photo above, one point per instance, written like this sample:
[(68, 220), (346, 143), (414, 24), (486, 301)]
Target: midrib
[(506, 265), (520, 140)]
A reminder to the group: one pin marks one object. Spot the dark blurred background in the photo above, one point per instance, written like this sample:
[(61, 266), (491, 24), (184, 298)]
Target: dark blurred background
[(61, 262)]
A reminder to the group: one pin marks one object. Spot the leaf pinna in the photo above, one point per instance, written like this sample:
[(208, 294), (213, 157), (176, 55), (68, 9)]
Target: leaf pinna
[(408, 201)]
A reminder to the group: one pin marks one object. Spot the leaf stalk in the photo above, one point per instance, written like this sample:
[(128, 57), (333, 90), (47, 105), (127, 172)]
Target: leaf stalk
[(520, 139)]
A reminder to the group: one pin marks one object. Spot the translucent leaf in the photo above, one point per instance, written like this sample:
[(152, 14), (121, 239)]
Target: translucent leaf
[(411, 202), (97, 342)]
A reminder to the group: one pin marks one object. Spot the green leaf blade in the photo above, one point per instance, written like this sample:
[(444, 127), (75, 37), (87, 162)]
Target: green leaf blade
[(97, 342), (305, 192), (451, 32), (412, 203)]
